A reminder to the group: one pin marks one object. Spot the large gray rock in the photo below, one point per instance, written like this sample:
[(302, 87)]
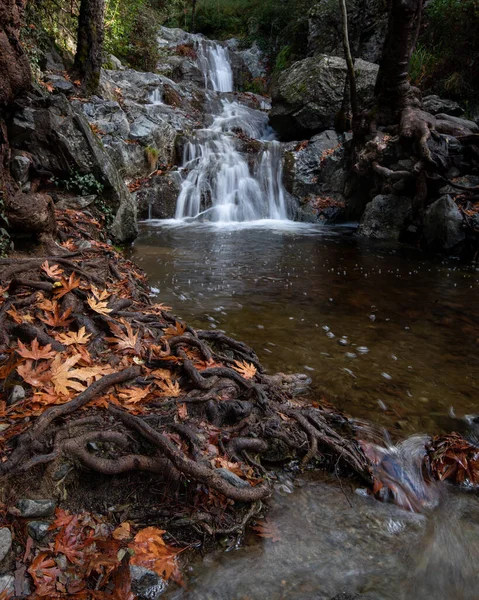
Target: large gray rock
[(367, 23), (146, 584), (385, 217), (61, 141), (434, 104), (157, 199), (464, 123), (20, 168), (443, 225), (308, 95), (5, 542), (7, 584)]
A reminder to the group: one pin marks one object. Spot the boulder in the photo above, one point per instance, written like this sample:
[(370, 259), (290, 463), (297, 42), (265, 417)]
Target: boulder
[(17, 395), (157, 199), (443, 225), (434, 104), (31, 214), (20, 169), (385, 217), (308, 95), (60, 140), (367, 23), (462, 123), (107, 116)]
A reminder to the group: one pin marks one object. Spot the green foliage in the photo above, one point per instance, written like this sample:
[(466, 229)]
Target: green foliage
[(421, 65), (151, 156), (451, 37), (84, 184), (130, 33), (106, 210), (283, 59)]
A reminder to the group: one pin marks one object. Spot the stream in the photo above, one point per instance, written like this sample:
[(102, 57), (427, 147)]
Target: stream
[(389, 337), (385, 334)]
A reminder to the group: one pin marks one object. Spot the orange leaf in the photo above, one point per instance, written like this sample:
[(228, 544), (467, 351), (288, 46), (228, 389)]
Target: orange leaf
[(74, 337), (67, 285), (267, 529), (99, 307), (246, 370), (53, 272), (36, 352)]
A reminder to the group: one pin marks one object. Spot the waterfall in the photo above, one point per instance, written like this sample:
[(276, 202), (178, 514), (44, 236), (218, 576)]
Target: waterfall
[(155, 96), (221, 182)]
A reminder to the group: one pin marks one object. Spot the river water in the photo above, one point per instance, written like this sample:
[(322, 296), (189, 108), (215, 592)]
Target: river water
[(384, 333)]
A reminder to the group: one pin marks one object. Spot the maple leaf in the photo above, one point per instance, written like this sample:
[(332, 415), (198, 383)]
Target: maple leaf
[(67, 285), (173, 331), (99, 307), (123, 532), (100, 295), (63, 377), (37, 352), (246, 370), (18, 317), (267, 529), (151, 552), (182, 412), (36, 377), (124, 341), (134, 395), (44, 572), (55, 319), (74, 337), (171, 389), (53, 271)]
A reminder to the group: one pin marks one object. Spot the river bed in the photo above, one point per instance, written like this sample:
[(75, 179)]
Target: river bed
[(388, 336)]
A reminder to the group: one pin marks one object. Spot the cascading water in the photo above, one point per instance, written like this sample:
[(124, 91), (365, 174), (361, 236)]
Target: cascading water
[(221, 182)]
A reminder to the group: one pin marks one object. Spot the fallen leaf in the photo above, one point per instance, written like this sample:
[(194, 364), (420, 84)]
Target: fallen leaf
[(267, 529), (124, 341), (53, 271), (37, 352), (174, 331), (67, 285), (74, 337), (62, 375), (246, 370), (123, 532), (99, 307)]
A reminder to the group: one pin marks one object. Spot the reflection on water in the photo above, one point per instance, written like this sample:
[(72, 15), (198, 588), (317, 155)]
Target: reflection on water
[(387, 336)]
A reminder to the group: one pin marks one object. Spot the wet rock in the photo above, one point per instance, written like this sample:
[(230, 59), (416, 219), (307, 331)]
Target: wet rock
[(5, 542), (61, 141), (385, 217), (36, 508), (38, 529), (443, 225), (157, 199), (76, 203), (308, 95), (17, 395), (146, 584), (111, 62), (20, 168), (7, 584), (434, 104)]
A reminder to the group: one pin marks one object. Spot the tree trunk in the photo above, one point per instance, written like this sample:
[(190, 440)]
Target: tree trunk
[(349, 60), (193, 16), (88, 58), (393, 90)]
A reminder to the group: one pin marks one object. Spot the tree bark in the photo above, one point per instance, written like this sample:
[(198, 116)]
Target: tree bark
[(393, 90), (349, 60), (88, 58), (193, 16)]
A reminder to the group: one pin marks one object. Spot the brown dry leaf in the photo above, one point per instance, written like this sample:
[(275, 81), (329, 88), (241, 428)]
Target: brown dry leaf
[(123, 532), (99, 307), (134, 395), (37, 352), (170, 389), (161, 374), (158, 308), (267, 529), (67, 285), (36, 376), (245, 369), (62, 375), (151, 552), (55, 319), (182, 411), (18, 317), (222, 463), (124, 341), (173, 331), (74, 337), (100, 295), (53, 271)]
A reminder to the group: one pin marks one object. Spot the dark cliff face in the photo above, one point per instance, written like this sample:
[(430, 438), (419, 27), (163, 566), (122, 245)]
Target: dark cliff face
[(15, 76)]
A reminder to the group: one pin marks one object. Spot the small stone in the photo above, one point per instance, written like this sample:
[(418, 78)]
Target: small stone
[(38, 529), (36, 508), (17, 395), (146, 584), (7, 584), (343, 342), (84, 245), (20, 168), (5, 542)]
